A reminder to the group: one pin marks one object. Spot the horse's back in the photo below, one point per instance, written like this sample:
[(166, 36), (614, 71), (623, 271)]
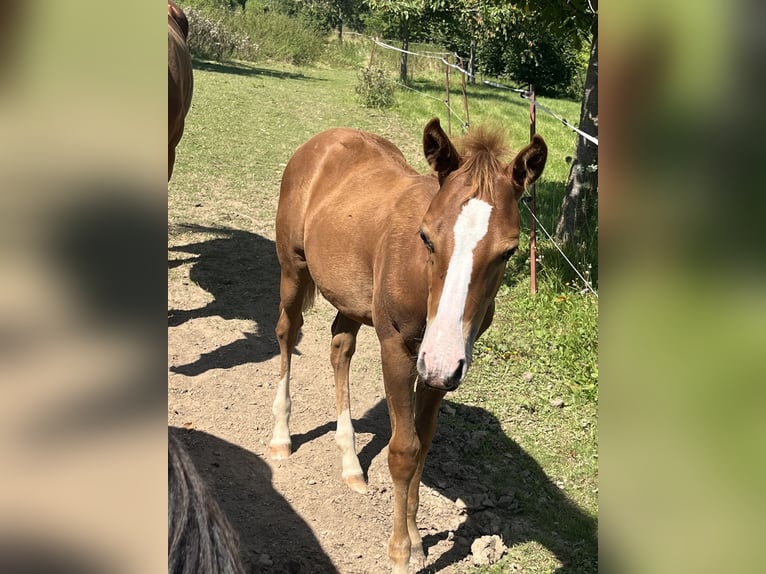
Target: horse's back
[(336, 153), (339, 193), (338, 167), (180, 84)]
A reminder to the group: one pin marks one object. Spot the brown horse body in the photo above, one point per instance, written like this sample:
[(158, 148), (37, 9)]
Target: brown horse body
[(180, 79), (419, 257)]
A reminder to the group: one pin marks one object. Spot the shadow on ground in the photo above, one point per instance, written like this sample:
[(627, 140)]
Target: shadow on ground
[(241, 271), (273, 537), (242, 69), (505, 490)]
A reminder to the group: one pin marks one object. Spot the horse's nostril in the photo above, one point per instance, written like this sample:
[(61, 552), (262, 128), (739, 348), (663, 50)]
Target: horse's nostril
[(458, 374)]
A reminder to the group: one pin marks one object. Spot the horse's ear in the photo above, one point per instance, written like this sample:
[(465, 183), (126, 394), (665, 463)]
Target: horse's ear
[(438, 149), (529, 163)]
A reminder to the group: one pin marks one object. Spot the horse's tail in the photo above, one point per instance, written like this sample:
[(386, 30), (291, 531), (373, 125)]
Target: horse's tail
[(310, 297), (200, 537)]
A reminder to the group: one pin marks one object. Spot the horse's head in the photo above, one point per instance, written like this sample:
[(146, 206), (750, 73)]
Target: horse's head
[(470, 231)]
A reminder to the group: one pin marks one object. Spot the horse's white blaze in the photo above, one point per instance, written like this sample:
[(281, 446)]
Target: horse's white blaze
[(444, 343), (281, 410), (344, 438)]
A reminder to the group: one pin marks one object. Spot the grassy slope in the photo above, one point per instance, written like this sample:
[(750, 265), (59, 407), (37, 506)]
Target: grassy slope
[(245, 123)]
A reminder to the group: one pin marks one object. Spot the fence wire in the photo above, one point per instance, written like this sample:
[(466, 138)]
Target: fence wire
[(556, 245), (523, 93)]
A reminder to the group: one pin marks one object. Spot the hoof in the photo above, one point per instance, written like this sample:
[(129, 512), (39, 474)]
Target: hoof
[(356, 483), (279, 451)]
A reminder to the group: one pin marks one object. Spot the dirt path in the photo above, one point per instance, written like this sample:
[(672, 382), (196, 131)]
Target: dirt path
[(297, 515)]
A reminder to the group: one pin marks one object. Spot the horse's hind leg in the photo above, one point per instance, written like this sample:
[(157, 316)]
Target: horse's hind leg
[(344, 332), (295, 286)]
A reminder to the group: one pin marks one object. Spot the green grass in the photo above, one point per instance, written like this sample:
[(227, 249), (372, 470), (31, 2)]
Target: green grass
[(535, 371)]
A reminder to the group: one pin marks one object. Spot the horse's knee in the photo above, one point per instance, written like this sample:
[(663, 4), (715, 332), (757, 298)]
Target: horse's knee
[(403, 460)]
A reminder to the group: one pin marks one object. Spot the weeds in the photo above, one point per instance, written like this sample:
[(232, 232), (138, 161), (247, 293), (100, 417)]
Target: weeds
[(374, 89), (223, 34), (211, 37)]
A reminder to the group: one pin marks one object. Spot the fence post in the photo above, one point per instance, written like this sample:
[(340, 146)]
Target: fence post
[(465, 95), (372, 52), (449, 109), (532, 222)]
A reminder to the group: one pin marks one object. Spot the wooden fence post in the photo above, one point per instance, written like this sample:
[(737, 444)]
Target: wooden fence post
[(465, 96), (532, 222), (372, 53), (449, 109)]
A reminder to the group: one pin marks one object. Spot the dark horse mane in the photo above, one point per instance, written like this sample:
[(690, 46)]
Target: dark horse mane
[(200, 538), (482, 151)]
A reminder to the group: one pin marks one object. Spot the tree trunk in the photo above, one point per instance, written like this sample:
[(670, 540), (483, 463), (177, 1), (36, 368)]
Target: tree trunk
[(340, 26), (582, 185), (405, 27)]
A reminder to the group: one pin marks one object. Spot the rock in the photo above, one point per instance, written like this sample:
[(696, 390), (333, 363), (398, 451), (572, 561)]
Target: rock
[(462, 542), (527, 376), (487, 550), (450, 468), (474, 502), (471, 501), (557, 403), (508, 502), (490, 521)]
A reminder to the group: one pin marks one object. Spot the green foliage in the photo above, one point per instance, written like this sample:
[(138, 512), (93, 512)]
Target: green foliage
[(322, 15), (212, 37), (374, 89), (216, 4), (534, 54), (220, 33), (280, 37), (405, 9), (553, 336)]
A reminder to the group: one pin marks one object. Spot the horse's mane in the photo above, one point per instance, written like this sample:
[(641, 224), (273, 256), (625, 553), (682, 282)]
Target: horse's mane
[(482, 151)]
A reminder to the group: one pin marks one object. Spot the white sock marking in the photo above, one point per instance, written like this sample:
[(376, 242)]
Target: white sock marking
[(281, 410), (344, 438)]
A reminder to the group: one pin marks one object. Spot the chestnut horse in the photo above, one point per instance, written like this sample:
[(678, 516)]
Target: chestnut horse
[(418, 257), (180, 79)]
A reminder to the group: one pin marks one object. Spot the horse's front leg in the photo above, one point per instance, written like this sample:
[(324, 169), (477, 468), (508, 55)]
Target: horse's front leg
[(404, 446), (427, 401)]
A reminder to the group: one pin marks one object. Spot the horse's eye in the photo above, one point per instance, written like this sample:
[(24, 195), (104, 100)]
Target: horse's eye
[(427, 241), (507, 255)]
